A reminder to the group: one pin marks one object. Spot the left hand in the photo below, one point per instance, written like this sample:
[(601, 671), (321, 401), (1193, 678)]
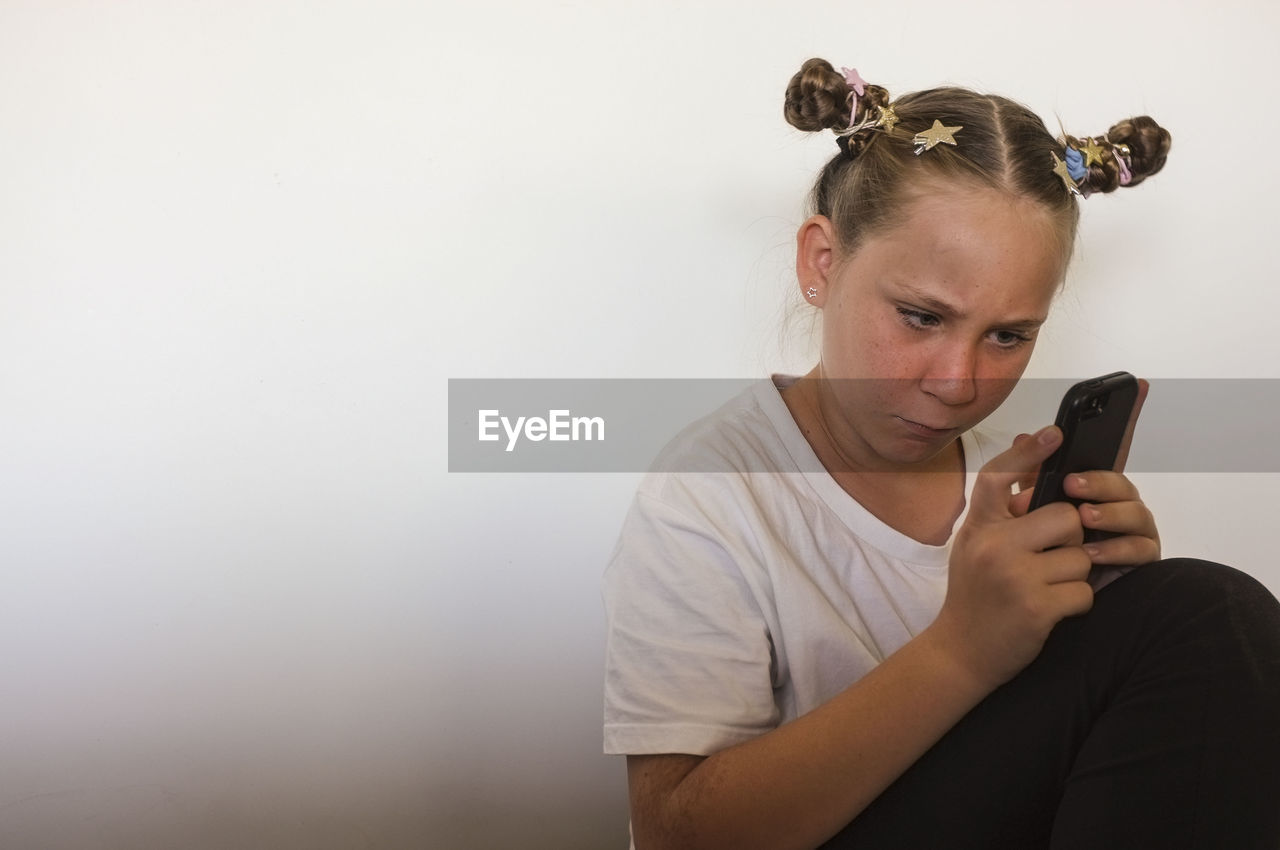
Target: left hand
[(1111, 503)]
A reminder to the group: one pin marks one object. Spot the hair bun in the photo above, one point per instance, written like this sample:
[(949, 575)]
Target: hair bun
[(817, 98), (1148, 145), (1130, 152)]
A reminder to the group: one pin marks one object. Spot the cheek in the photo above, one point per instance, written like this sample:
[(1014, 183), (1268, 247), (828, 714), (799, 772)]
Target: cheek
[(1002, 369), (999, 375), (873, 352)]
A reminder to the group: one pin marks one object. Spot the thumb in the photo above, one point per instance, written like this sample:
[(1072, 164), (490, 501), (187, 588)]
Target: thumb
[(990, 500)]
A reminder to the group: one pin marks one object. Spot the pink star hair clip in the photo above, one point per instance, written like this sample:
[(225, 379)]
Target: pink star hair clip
[(858, 86), (855, 81)]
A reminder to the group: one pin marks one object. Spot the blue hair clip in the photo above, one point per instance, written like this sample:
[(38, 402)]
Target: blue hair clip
[(1075, 164)]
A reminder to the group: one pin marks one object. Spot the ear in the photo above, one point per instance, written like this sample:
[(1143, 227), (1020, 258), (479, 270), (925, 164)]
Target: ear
[(815, 256)]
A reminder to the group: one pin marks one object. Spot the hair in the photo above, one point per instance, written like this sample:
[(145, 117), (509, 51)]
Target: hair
[(867, 186)]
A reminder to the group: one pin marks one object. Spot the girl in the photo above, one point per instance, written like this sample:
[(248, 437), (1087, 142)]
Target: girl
[(830, 620)]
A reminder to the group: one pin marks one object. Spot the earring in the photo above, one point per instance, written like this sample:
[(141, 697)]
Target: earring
[(812, 292)]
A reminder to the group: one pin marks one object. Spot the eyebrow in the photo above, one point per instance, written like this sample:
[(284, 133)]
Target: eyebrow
[(942, 308)]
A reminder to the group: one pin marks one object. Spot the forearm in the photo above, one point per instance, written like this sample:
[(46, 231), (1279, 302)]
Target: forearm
[(799, 784)]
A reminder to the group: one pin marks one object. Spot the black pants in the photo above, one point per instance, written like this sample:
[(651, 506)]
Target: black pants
[(1153, 721)]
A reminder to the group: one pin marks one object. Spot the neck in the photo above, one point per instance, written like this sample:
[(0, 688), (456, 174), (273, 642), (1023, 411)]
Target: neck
[(921, 500)]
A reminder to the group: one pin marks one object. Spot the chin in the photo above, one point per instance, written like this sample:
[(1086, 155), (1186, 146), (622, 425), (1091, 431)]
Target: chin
[(914, 452)]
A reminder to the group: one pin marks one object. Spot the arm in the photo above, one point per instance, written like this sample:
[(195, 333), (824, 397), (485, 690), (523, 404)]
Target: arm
[(800, 783)]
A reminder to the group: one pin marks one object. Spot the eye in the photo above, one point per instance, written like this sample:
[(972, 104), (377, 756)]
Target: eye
[(1009, 339), (918, 319)]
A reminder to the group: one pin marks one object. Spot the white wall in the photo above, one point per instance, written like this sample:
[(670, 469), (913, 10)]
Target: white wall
[(245, 244)]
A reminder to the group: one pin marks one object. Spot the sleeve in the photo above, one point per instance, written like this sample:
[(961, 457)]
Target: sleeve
[(689, 661)]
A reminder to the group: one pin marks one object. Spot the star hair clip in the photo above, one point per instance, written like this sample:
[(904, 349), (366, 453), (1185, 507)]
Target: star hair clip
[(1092, 152), (1063, 170), (936, 135), (885, 119), (888, 118)]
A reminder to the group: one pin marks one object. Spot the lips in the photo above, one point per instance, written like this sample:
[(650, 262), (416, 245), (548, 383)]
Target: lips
[(924, 430)]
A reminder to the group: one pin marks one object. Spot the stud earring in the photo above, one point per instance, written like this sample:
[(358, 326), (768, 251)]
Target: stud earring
[(812, 292)]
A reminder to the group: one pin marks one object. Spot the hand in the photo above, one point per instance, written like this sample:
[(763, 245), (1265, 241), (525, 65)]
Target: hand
[(1111, 503), (1013, 575)]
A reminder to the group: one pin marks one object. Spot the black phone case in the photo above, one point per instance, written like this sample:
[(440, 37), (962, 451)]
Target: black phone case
[(1093, 417)]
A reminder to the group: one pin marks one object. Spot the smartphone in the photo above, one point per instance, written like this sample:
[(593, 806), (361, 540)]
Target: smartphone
[(1093, 417)]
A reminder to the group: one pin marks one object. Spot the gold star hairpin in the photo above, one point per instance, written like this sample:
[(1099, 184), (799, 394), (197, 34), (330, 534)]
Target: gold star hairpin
[(1060, 169), (888, 118), (934, 136), (1092, 153)]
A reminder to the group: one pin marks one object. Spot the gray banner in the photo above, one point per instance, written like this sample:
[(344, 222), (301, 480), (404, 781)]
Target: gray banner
[(620, 425)]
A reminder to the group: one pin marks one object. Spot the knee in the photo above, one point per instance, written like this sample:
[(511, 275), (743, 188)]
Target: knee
[(1204, 584), (1193, 596), (1228, 613)]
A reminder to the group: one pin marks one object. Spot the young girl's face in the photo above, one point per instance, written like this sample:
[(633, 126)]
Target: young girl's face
[(943, 312)]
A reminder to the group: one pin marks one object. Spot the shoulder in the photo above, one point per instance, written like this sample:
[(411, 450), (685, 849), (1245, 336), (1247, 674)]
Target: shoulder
[(751, 432), (718, 496), (709, 493)]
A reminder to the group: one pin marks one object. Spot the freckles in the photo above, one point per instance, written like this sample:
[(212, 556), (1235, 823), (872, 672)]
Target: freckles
[(882, 350)]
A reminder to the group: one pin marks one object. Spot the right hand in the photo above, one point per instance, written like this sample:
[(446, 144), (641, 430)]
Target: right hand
[(1012, 577)]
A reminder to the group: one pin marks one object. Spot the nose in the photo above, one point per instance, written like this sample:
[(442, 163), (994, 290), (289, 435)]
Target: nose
[(951, 377)]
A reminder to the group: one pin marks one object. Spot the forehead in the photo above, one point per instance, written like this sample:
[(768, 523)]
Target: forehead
[(974, 243)]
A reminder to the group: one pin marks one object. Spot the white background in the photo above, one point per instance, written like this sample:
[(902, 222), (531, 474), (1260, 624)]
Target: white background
[(244, 246)]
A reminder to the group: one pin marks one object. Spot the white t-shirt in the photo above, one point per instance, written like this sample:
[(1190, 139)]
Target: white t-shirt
[(747, 588)]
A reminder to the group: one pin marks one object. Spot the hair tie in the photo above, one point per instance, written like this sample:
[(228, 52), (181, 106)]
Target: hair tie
[(1121, 153), (884, 119), (858, 87), (1075, 165), (1126, 176)]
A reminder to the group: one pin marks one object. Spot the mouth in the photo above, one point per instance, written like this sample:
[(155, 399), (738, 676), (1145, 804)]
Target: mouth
[(925, 430)]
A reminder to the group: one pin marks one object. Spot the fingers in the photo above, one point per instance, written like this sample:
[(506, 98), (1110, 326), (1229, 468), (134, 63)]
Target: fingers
[(1100, 485), (1113, 504), (1066, 571), (1073, 598), (1119, 518), (1130, 550), (1019, 503), (1139, 541), (1028, 480), (1021, 500), (1070, 563), (1050, 527), (991, 491), (1095, 486), (1054, 526)]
